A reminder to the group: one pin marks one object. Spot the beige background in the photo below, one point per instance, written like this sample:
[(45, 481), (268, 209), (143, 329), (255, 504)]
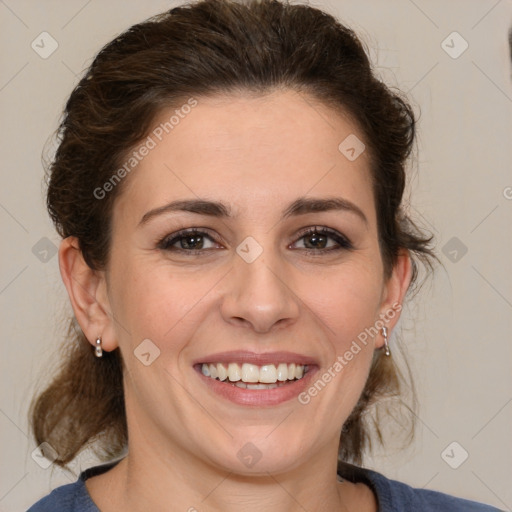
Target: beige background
[(458, 331)]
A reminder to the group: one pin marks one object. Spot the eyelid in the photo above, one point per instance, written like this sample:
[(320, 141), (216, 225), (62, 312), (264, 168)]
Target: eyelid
[(343, 241), (168, 241)]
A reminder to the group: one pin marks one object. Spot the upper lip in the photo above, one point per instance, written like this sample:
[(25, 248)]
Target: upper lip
[(259, 359)]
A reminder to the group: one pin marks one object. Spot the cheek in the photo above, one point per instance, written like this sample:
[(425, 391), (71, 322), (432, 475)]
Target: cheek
[(156, 302), (348, 311), (346, 300)]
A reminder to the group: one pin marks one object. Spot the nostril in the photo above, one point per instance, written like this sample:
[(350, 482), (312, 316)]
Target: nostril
[(239, 321)]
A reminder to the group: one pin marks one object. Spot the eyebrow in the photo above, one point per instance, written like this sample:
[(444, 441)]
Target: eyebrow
[(301, 206)]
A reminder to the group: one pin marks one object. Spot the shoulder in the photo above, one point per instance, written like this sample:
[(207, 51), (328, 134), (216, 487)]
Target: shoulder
[(72, 497), (424, 499), (394, 496), (67, 498)]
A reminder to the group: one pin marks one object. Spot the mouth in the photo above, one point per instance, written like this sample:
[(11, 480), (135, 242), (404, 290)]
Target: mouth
[(249, 378)]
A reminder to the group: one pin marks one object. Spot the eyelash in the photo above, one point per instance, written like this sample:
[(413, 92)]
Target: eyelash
[(167, 242)]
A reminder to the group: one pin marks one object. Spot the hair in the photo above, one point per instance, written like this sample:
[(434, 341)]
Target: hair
[(212, 47)]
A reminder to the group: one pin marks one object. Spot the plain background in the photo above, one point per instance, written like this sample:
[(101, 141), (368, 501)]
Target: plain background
[(458, 330)]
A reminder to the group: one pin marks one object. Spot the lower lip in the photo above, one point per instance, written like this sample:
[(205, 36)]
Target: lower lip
[(259, 397)]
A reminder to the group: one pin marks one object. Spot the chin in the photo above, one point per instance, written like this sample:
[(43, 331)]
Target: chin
[(259, 456)]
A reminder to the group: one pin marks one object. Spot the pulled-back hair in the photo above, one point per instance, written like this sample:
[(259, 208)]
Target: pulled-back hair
[(208, 48)]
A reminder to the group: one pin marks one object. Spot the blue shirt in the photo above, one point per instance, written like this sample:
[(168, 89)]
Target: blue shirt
[(392, 496)]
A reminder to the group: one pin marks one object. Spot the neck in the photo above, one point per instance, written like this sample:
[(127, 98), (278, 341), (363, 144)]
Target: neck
[(161, 476), (152, 478), (140, 483)]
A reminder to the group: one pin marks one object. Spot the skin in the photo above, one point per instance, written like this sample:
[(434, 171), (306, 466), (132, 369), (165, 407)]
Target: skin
[(257, 155)]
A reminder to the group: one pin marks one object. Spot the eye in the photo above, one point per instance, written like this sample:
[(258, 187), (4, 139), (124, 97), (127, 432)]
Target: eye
[(313, 240), (322, 240), (188, 240)]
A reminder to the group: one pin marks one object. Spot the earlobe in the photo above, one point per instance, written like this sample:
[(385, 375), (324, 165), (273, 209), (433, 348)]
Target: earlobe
[(86, 290), (395, 290)]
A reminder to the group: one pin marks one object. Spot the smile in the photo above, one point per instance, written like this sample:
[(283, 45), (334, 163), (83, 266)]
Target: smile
[(256, 379), (251, 376)]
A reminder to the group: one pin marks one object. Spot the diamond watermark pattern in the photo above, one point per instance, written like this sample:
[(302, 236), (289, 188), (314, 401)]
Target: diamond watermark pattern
[(44, 250), (454, 455), (44, 45), (146, 352), (454, 45), (44, 455), (249, 455), (454, 249), (352, 147), (249, 250)]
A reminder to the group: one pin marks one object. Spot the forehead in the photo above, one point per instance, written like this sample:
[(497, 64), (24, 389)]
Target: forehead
[(253, 152)]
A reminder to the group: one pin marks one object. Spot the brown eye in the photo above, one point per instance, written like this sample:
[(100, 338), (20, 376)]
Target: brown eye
[(316, 241), (188, 241), (322, 240), (191, 242)]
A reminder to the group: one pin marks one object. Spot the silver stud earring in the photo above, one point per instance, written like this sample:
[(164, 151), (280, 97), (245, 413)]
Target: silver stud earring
[(98, 351), (386, 346)]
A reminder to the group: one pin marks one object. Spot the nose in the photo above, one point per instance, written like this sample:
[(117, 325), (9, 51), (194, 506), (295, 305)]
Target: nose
[(260, 296)]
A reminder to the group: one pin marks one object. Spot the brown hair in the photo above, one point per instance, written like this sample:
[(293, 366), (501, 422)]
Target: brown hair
[(207, 48)]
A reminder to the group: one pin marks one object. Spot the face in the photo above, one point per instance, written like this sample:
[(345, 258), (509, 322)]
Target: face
[(243, 243)]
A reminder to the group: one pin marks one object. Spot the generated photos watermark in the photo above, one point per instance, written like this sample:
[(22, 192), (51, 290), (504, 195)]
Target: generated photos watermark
[(145, 148), (354, 349)]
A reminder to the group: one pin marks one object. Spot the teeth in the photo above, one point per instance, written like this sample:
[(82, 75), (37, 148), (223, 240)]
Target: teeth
[(251, 376), (282, 372), (243, 385), (261, 386), (268, 373), (250, 373), (222, 373), (234, 373)]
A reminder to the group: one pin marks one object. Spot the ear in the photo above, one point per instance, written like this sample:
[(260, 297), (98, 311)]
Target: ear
[(394, 291), (87, 290)]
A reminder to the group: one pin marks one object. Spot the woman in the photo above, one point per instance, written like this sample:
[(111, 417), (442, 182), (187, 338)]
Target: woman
[(228, 187)]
